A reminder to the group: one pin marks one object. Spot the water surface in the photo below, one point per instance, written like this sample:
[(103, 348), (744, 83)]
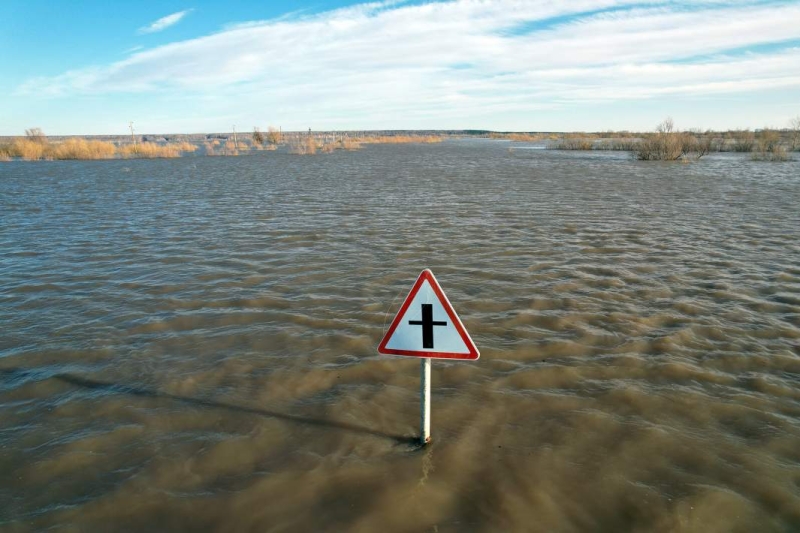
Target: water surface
[(189, 344)]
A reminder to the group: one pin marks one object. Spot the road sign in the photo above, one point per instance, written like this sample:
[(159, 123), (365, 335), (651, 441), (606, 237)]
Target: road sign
[(428, 326)]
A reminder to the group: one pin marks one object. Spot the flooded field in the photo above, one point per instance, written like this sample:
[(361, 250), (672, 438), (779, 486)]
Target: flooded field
[(190, 344)]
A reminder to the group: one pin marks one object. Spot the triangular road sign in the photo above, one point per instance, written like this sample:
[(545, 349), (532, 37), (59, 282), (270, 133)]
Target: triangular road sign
[(428, 326)]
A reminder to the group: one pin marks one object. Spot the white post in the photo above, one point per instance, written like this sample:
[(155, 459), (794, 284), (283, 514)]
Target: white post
[(133, 139), (425, 400)]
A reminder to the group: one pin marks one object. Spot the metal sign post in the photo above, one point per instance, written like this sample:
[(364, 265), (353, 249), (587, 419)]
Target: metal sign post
[(427, 326), (425, 401)]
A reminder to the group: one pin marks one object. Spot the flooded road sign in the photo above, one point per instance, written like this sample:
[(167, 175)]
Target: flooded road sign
[(428, 326)]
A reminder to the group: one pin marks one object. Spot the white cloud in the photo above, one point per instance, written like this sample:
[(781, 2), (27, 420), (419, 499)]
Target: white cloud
[(462, 58), (165, 22)]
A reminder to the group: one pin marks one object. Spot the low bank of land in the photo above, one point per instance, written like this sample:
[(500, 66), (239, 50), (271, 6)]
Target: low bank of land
[(666, 143)]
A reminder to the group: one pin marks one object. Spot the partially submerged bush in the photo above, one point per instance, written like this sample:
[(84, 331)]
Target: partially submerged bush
[(303, 145), (349, 144), (258, 137), (697, 144), (185, 146), (743, 141), (770, 147), (210, 149), (572, 143), (230, 148), (768, 140), (519, 137), (623, 144), (273, 135), (669, 145), (149, 150), (777, 153)]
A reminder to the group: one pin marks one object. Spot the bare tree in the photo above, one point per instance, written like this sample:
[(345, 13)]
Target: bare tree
[(36, 135), (794, 128), (667, 126), (258, 137), (273, 135)]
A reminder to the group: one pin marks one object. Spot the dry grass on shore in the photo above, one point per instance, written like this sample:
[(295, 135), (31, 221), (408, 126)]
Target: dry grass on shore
[(36, 147), (665, 144), (83, 149), (34, 150), (27, 149), (5, 152)]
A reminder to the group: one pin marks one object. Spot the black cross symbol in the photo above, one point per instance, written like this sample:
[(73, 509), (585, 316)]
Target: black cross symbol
[(427, 324)]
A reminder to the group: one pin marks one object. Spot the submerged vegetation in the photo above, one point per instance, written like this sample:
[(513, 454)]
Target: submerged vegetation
[(572, 142), (149, 150), (303, 145), (770, 147), (307, 144), (669, 144), (666, 143), (523, 137)]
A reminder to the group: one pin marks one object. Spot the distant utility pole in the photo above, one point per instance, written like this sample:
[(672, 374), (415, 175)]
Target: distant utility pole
[(235, 142), (133, 139)]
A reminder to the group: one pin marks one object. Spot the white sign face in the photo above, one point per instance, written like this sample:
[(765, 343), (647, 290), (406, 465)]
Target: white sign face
[(428, 326)]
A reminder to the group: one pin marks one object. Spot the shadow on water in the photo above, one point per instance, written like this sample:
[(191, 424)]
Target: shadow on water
[(21, 373)]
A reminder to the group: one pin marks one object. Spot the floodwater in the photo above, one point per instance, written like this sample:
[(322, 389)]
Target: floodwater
[(190, 344)]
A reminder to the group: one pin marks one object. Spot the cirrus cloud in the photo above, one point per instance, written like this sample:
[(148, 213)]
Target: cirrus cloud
[(164, 22)]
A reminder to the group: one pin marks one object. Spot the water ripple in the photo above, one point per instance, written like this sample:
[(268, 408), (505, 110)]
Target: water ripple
[(193, 338)]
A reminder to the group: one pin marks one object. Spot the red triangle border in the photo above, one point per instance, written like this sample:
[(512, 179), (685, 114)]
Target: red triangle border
[(427, 275)]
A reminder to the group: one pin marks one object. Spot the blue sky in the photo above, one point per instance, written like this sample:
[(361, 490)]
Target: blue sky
[(89, 67)]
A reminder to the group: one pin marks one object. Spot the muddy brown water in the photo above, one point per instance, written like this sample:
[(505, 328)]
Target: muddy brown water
[(190, 344)]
